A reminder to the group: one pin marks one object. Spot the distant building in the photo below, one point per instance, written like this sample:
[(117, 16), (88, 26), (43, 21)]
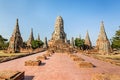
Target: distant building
[(38, 37), (31, 38), (87, 41), (59, 33), (45, 43), (59, 42), (16, 41), (102, 43)]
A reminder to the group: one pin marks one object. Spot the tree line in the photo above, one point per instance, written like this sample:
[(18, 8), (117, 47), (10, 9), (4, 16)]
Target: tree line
[(115, 41), (79, 43)]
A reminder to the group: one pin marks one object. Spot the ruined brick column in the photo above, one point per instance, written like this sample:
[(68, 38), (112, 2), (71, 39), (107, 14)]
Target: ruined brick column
[(16, 41), (45, 43), (59, 33), (31, 38), (72, 42), (102, 43), (38, 37), (87, 41)]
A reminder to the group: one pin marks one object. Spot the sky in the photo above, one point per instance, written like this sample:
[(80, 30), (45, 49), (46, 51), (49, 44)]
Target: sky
[(79, 17)]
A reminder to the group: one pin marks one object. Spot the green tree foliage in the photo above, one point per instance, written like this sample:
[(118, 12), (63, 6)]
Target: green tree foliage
[(116, 40), (79, 43), (36, 44), (3, 43)]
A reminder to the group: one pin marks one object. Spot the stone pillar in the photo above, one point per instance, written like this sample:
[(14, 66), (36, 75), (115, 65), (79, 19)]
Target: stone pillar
[(72, 42), (45, 43), (38, 37)]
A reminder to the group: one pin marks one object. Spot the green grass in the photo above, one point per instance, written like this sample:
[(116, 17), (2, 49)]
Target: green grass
[(113, 58), (10, 54)]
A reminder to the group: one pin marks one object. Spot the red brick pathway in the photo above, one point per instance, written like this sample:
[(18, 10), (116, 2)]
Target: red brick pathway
[(58, 67)]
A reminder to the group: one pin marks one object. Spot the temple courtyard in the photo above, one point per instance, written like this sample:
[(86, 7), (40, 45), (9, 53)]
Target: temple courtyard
[(59, 67)]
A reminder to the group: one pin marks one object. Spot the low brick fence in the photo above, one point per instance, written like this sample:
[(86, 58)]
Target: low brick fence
[(19, 56)]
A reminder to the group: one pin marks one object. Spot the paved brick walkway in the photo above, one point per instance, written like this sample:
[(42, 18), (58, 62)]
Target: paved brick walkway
[(58, 67)]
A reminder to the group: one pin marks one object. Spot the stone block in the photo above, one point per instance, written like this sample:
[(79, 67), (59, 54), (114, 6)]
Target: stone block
[(47, 55), (84, 64), (41, 57), (32, 63), (11, 75), (77, 59), (72, 55)]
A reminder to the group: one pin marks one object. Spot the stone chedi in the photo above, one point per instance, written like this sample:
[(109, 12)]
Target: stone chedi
[(16, 41), (72, 42), (102, 43), (58, 42), (87, 41), (31, 38), (38, 37), (45, 43), (59, 33)]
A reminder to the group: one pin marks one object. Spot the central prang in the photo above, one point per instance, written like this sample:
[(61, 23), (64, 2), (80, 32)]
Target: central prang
[(59, 33), (58, 42)]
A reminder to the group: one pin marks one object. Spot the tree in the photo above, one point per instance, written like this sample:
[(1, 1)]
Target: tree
[(3, 43), (116, 40), (36, 44), (79, 43)]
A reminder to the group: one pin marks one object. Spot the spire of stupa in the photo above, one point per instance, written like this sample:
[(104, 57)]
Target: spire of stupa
[(102, 43), (16, 41), (38, 37), (87, 40), (31, 38)]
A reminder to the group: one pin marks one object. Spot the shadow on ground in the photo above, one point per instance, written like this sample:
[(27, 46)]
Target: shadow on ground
[(42, 64), (47, 58), (28, 77)]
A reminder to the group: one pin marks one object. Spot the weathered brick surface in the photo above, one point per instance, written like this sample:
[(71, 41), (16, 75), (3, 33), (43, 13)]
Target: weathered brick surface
[(41, 58), (32, 63), (84, 64), (11, 75)]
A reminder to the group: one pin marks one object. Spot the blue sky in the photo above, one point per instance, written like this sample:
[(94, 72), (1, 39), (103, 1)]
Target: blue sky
[(78, 15)]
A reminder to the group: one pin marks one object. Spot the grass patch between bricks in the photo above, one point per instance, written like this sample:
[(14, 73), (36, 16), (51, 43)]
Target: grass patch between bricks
[(105, 76)]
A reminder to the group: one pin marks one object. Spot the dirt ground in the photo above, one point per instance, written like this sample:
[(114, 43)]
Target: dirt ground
[(59, 67)]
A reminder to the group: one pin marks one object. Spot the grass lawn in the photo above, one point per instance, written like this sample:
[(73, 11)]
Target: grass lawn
[(114, 57), (10, 54)]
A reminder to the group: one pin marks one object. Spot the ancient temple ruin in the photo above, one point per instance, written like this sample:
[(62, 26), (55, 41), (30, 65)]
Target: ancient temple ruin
[(38, 37), (31, 38), (59, 33), (58, 41), (16, 41), (87, 41), (45, 43), (72, 42), (102, 43)]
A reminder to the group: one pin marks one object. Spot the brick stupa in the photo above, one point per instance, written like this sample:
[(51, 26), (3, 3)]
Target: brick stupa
[(102, 43), (16, 41), (87, 41), (59, 39), (59, 33), (31, 38)]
